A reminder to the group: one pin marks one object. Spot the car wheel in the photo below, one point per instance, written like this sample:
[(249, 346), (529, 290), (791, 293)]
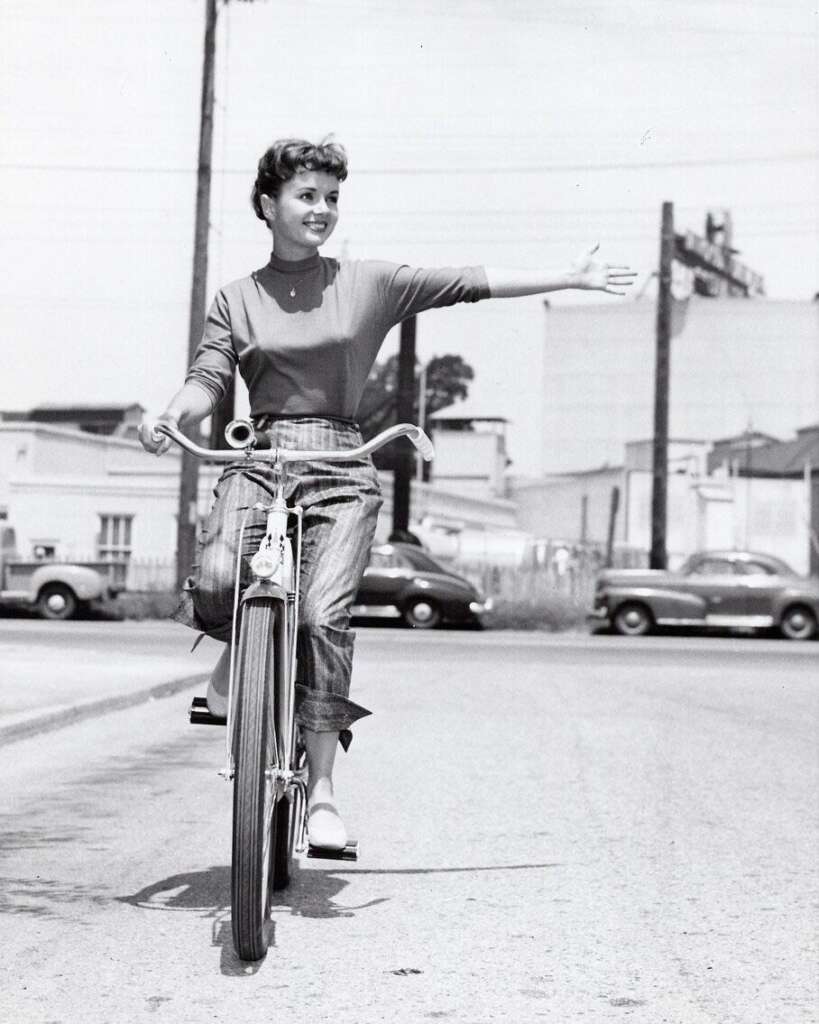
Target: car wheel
[(632, 620), (798, 623), (422, 613), (56, 601)]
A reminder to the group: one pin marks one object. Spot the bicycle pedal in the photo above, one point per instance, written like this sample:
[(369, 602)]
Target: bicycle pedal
[(350, 852), (198, 713)]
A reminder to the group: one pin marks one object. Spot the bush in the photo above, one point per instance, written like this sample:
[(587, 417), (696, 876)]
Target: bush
[(141, 605), (553, 614)]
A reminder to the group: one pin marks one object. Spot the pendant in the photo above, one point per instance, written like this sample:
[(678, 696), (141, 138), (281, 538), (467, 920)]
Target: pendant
[(292, 293)]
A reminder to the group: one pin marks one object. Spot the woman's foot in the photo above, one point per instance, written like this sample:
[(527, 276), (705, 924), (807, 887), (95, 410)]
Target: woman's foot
[(325, 829), (218, 685)]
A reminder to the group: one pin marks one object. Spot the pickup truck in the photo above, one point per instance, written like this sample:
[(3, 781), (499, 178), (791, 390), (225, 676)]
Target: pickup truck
[(55, 590)]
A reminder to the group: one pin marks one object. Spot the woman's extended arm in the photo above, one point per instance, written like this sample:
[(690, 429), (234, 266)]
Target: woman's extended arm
[(585, 273), (190, 405)]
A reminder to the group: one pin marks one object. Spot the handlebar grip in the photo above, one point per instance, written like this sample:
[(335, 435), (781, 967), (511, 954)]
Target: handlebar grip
[(159, 430), (423, 444)]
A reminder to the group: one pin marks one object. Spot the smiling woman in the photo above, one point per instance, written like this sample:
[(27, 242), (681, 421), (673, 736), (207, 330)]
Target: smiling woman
[(296, 194), (304, 332)]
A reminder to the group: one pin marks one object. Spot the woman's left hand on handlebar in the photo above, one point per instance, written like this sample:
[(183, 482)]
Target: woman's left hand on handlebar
[(601, 277), (151, 441)]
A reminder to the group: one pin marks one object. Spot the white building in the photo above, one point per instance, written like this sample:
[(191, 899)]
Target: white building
[(736, 362), (74, 495), (774, 512)]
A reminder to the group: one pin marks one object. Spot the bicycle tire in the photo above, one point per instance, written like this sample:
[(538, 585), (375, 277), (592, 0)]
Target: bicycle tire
[(255, 814)]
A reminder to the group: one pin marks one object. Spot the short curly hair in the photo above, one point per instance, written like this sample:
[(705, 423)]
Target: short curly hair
[(286, 157)]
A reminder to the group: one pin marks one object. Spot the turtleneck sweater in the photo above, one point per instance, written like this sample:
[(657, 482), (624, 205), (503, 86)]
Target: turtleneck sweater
[(304, 334)]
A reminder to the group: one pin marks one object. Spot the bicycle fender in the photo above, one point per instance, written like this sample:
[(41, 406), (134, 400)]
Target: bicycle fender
[(264, 588)]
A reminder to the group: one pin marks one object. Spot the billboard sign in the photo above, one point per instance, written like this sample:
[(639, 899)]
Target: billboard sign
[(711, 259)]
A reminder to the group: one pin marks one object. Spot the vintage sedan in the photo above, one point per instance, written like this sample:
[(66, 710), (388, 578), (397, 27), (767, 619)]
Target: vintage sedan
[(712, 589), (403, 582)]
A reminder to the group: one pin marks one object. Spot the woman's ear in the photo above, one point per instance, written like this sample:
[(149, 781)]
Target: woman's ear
[(268, 208)]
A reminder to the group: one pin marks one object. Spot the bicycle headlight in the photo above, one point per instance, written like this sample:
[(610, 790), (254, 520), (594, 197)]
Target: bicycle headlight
[(264, 564)]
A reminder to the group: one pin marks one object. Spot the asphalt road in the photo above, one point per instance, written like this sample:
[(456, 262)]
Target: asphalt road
[(563, 829)]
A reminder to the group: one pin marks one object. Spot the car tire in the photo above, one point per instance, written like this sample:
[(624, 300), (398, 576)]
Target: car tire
[(421, 613), (798, 623), (632, 619), (57, 601)]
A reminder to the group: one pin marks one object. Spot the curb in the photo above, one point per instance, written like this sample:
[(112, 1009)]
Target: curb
[(52, 720)]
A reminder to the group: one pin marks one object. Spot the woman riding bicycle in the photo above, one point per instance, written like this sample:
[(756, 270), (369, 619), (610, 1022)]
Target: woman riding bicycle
[(304, 332)]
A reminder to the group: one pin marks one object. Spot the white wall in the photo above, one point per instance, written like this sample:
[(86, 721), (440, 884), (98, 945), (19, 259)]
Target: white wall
[(737, 361), (553, 508), (56, 482), (766, 515)]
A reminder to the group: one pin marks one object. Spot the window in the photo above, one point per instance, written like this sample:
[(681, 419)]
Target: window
[(385, 560), (755, 569), (713, 567), (114, 542)]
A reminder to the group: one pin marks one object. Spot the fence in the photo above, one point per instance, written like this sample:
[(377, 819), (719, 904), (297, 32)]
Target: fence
[(553, 570), (151, 575)]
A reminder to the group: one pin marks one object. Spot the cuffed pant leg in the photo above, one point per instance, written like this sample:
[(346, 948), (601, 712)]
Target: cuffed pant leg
[(337, 538)]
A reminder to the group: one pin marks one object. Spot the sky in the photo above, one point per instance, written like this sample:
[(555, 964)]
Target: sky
[(495, 132)]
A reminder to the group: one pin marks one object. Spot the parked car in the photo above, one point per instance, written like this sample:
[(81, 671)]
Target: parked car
[(722, 589), (403, 581), (55, 590)]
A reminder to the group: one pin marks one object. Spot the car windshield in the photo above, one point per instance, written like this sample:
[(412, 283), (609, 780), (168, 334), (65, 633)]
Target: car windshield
[(420, 560), (405, 558)]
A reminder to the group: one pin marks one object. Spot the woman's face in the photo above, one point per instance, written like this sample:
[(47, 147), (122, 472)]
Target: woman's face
[(303, 215)]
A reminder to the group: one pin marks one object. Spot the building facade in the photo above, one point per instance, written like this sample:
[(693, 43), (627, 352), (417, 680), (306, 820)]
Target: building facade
[(736, 364), (78, 495)]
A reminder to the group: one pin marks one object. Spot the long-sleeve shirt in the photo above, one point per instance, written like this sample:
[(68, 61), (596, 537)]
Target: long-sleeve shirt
[(305, 334)]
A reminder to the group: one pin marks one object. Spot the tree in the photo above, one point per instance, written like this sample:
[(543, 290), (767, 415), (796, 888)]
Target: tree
[(447, 380)]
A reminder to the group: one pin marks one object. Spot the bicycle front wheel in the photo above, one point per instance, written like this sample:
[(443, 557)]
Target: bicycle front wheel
[(255, 816)]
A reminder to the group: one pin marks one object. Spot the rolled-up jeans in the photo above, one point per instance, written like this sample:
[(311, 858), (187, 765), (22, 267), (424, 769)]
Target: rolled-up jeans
[(340, 502)]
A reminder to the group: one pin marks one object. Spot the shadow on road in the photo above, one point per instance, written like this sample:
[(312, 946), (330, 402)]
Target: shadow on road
[(312, 893)]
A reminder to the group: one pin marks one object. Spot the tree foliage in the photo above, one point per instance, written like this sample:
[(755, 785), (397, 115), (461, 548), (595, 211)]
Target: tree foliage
[(447, 380)]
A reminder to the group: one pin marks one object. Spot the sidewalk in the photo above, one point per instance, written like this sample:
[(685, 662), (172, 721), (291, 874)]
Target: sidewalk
[(55, 674)]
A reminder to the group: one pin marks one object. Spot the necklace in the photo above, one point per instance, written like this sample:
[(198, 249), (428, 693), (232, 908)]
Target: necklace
[(293, 287)]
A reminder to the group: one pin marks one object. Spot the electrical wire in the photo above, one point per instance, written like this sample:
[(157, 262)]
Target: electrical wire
[(586, 168)]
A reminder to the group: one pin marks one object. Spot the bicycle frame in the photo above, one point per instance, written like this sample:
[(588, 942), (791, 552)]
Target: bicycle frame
[(275, 567)]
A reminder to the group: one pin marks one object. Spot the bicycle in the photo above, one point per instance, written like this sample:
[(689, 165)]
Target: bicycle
[(264, 758)]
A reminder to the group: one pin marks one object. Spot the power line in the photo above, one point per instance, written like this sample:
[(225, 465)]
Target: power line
[(451, 169)]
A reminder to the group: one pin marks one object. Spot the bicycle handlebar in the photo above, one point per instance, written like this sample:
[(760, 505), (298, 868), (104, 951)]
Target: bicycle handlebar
[(415, 434)]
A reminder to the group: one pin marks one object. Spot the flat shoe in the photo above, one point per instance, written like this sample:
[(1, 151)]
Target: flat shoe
[(217, 704), (325, 829)]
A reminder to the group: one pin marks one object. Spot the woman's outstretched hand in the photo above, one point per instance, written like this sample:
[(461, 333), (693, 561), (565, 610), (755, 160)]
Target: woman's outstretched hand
[(593, 275)]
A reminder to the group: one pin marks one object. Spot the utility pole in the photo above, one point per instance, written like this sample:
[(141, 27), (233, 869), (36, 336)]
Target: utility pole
[(662, 374), (405, 402), (422, 415), (189, 474)]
